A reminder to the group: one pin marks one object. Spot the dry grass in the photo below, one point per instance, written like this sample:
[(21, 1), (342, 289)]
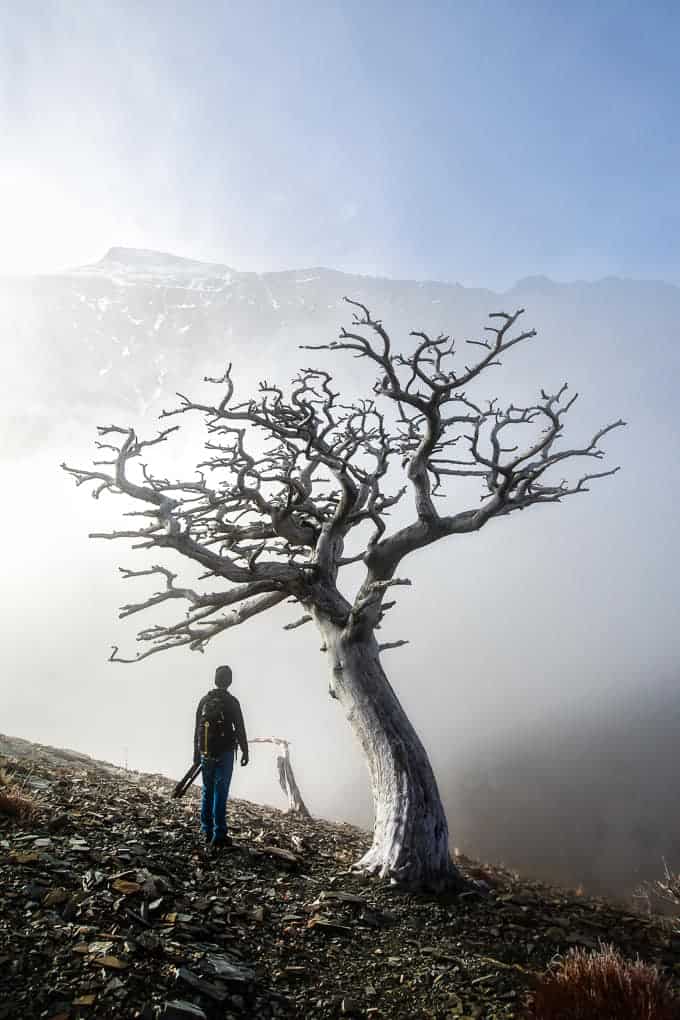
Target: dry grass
[(14, 803), (668, 887), (603, 985), (661, 896)]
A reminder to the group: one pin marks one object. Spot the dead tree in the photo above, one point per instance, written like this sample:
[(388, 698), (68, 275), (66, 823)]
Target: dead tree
[(281, 522), (286, 776)]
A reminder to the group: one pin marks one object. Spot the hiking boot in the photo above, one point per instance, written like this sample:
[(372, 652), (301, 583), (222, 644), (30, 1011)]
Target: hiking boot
[(221, 842)]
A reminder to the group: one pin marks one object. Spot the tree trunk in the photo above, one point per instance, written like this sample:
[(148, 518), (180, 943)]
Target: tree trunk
[(284, 770), (296, 804), (410, 838)]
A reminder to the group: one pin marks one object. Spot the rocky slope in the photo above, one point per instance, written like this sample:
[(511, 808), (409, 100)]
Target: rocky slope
[(110, 907)]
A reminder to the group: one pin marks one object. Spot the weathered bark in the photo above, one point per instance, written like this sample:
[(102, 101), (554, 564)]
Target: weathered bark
[(410, 837), (286, 776), (296, 804)]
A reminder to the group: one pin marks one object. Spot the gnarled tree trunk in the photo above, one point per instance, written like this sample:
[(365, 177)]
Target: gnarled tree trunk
[(286, 776), (288, 784), (410, 838)]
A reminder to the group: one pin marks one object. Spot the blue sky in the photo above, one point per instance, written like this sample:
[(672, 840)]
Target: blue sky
[(478, 142)]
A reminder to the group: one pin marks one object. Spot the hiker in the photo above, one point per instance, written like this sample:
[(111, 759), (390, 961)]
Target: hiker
[(219, 731)]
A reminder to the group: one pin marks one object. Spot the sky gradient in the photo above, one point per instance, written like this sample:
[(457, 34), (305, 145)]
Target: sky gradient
[(478, 142)]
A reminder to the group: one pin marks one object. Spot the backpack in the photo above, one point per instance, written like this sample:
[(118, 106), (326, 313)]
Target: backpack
[(215, 725)]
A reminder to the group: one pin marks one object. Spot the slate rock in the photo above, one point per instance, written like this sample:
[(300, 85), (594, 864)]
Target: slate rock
[(179, 1009), (209, 988), (226, 968)]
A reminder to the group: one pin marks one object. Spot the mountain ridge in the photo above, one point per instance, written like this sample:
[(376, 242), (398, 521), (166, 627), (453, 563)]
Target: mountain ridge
[(139, 257), (132, 329)]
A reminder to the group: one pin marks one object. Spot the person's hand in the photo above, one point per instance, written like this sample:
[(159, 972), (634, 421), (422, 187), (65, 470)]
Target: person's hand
[(245, 758)]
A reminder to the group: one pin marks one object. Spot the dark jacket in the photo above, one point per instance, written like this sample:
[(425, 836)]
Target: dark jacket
[(235, 731)]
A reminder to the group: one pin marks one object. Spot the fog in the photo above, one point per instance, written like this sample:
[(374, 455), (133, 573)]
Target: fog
[(398, 146), (540, 648)]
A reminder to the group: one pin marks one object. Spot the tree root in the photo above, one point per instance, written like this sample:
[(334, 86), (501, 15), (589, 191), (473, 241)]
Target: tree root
[(376, 863)]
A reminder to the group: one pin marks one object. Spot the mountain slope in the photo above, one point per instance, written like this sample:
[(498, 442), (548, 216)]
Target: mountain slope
[(110, 907), (131, 329)]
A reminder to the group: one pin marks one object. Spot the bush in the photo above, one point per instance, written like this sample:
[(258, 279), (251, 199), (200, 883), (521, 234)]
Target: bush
[(602, 985)]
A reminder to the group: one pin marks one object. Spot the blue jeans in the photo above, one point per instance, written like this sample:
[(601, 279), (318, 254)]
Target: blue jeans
[(217, 774)]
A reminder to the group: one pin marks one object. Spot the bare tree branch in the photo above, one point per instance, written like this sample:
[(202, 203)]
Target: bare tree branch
[(198, 631), (386, 645), (272, 525), (298, 623)]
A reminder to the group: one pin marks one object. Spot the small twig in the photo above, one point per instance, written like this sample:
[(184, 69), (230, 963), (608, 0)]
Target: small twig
[(298, 623), (393, 644)]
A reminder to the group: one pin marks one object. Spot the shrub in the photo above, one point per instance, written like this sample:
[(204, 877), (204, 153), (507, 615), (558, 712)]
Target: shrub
[(602, 985)]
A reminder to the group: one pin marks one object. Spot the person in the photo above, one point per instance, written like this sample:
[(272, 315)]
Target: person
[(219, 731)]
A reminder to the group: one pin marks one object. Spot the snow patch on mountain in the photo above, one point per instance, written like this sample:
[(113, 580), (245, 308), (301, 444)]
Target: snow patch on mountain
[(92, 336), (132, 266)]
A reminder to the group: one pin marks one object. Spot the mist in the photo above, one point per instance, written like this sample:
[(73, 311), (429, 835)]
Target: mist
[(539, 647), (256, 147)]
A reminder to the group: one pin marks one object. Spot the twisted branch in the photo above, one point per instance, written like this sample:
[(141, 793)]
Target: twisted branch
[(272, 525)]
